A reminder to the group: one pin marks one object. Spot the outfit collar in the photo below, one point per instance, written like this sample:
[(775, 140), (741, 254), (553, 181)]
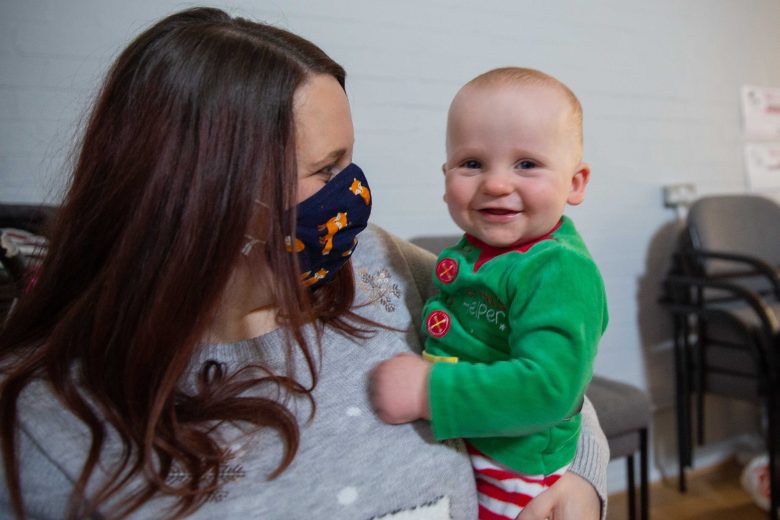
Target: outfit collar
[(488, 252)]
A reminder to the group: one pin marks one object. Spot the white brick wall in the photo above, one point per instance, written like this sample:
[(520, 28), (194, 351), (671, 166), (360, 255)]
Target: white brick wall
[(659, 82)]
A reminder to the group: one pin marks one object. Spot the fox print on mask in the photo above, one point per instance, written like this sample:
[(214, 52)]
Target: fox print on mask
[(328, 223)]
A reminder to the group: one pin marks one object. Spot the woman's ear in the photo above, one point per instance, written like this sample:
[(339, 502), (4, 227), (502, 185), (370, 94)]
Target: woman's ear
[(578, 184)]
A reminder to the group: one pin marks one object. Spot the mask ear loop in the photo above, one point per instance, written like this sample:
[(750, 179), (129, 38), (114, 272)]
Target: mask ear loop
[(250, 243), (246, 249)]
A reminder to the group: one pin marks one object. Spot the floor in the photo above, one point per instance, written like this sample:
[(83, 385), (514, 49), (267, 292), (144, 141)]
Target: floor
[(713, 494)]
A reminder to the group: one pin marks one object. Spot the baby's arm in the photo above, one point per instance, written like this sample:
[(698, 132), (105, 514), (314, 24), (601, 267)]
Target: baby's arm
[(399, 389)]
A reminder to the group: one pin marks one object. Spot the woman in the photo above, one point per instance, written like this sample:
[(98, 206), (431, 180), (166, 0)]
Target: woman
[(198, 340)]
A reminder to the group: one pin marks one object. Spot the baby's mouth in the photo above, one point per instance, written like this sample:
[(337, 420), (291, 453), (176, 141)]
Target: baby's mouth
[(498, 211)]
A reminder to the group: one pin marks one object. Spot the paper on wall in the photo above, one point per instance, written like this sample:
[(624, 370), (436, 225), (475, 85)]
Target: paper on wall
[(762, 161), (761, 111)]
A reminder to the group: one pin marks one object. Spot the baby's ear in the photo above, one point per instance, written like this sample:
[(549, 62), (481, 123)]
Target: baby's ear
[(444, 172), (578, 183)]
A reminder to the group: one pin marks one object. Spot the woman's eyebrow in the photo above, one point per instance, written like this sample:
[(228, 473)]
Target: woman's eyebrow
[(332, 156)]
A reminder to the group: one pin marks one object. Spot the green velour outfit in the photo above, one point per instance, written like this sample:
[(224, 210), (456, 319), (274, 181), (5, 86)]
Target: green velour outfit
[(520, 328)]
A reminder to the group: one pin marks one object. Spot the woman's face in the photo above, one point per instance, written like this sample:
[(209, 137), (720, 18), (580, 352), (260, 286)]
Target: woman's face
[(323, 133)]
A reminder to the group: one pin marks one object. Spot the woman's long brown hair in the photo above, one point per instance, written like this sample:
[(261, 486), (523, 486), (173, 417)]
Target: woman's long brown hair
[(194, 122)]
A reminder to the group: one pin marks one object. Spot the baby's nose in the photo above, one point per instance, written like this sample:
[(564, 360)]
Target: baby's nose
[(497, 183)]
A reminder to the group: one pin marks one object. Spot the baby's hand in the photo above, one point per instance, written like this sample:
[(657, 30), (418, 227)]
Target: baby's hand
[(399, 389)]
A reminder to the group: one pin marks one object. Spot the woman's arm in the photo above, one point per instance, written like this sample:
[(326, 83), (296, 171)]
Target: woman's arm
[(592, 456)]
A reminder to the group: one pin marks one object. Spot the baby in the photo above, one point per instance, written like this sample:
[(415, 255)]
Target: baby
[(513, 332)]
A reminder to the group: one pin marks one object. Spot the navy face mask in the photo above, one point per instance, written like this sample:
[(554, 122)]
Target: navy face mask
[(328, 223)]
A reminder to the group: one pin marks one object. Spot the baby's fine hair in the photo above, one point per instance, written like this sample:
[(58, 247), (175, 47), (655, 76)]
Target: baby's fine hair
[(526, 76)]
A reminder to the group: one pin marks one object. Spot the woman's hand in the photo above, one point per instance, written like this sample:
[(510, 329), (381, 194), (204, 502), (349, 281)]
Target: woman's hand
[(571, 498), (399, 389)]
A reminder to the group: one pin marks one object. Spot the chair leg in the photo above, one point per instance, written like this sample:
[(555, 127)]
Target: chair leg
[(643, 476), (700, 403), (688, 378), (681, 392), (699, 368), (631, 490)]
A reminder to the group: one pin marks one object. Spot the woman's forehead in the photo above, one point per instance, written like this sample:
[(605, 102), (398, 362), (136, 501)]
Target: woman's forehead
[(323, 121)]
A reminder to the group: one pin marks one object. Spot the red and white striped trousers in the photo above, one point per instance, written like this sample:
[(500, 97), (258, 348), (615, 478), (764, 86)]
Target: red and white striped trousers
[(502, 494)]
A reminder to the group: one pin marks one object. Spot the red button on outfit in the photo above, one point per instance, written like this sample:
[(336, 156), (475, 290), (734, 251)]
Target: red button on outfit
[(446, 270), (437, 324)]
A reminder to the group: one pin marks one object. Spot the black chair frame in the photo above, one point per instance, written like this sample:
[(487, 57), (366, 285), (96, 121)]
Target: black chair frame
[(696, 298)]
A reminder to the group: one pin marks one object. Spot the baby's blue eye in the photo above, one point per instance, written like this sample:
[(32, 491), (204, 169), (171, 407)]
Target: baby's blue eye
[(472, 165), (526, 165)]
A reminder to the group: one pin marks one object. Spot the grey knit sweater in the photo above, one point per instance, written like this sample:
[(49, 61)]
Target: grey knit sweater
[(349, 465)]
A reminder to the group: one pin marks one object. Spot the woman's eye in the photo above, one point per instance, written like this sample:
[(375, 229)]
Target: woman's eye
[(472, 165), (329, 172), (526, 165)]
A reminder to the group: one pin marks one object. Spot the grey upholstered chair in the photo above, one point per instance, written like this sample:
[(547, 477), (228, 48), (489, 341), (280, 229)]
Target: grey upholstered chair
[(623, 411), (724, 293)]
